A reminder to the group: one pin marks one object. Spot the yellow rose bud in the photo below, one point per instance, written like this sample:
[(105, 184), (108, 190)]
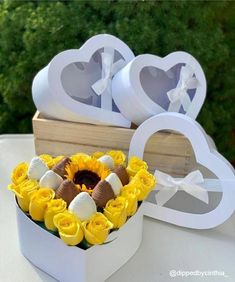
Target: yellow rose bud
[(116, 211), (98, 155), (57, 159), (134, 165), (69, 228), (79, 157), (130, 186), (38, 203), (24, 192), (53, 207), (47, 159), (144, 182), (19, 173), (97, 228), (119, 157), (129, 192)]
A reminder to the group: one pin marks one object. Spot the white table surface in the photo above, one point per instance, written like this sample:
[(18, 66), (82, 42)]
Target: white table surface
[(164, 247)]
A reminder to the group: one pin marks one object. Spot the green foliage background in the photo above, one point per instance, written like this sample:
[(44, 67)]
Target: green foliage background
[(32, 32)]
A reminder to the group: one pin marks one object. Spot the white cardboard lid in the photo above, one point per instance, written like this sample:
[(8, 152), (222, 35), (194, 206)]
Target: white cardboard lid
[(145, 81), (64, 88), (206, 155)]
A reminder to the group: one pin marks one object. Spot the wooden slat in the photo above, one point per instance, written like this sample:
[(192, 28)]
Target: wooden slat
[(107, 136), (174, 165), (166, 151)]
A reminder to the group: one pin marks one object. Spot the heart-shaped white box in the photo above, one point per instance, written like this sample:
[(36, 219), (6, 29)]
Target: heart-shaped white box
[(140, 88), (96, 264), (223, 181), (68, 263), (64, 88)]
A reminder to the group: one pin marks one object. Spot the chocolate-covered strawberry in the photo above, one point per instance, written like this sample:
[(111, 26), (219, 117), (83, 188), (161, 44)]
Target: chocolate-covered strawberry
[(67, 191), (59, 168)]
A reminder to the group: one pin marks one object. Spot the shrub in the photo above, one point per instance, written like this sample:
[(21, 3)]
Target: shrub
[(32, 32)]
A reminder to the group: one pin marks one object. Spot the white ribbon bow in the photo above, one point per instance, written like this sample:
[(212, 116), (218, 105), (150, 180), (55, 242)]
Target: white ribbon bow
[(179, 96), (109, 69), (168, 186)]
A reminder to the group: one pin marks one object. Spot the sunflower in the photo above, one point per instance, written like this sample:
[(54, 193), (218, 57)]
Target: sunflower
[(86, 173)]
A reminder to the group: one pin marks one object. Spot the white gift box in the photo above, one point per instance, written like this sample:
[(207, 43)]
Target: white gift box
[(151, 85), (97, 263), (69, 263), (222, 180), (76, 84)]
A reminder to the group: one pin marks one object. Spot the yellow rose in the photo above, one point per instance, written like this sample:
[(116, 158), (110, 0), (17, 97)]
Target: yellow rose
[(130, 186), (119, 157), (79, 157), (116, 211), (69, 228), (130, 192), (23, 192), (19, 173), (57, 159), (97, 155), (144, 182), (97, 228), (134, 165), (38, 203), (47, 159), (53, 207)]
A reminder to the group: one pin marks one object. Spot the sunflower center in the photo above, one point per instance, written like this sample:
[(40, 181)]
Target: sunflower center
[(86, 177)]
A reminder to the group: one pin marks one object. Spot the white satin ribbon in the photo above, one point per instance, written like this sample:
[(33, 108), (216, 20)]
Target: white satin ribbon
[(179, 96), (109, 69), (168, 186)]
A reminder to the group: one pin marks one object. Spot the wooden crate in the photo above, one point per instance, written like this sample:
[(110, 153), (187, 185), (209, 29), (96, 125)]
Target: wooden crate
[(169, 152)]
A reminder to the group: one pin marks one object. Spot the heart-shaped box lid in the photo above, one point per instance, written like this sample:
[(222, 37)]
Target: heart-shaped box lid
[(207, 156), (150, 85), (76, 84)]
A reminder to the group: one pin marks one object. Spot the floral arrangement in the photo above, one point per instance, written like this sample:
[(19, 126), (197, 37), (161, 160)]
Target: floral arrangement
[(81, 198)]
